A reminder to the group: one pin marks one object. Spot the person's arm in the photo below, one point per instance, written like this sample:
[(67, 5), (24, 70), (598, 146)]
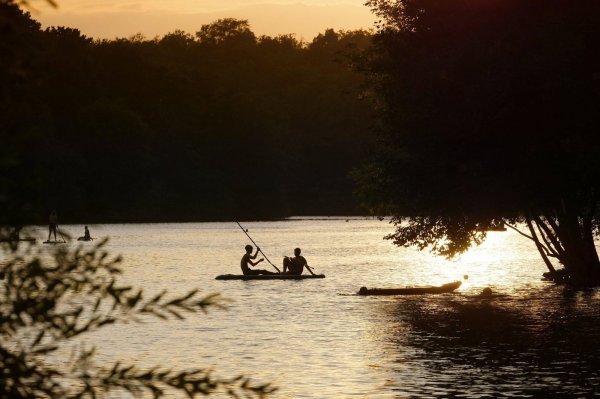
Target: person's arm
[(255, 255), (255, 263), (307, 266)]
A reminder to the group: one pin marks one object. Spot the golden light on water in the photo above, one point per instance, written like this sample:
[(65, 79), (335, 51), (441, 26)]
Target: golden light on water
[(285, 331), (490, 264)]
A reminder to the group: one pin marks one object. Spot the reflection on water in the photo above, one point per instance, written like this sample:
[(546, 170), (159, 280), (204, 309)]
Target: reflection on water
[(315, 339), (543, 345)]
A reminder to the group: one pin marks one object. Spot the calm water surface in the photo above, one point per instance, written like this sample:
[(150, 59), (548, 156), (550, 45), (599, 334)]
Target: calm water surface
[(316, 339)]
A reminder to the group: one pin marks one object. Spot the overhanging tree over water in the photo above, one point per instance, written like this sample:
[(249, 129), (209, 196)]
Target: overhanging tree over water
[(490, 114)]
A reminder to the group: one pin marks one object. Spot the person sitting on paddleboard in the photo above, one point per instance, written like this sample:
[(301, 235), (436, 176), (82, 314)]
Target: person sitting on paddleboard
[(86, 235), (296, 264), (247, 259)]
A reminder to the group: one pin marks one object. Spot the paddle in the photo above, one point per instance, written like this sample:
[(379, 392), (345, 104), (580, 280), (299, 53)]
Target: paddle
[(60, 234), (257, 247)]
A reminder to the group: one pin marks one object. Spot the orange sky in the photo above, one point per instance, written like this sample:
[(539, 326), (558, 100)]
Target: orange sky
[(111, 18)]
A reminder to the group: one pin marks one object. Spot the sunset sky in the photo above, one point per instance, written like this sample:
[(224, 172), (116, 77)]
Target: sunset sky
[(110, 18)]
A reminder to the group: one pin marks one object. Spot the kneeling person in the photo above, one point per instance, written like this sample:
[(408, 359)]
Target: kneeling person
[(246, 259)]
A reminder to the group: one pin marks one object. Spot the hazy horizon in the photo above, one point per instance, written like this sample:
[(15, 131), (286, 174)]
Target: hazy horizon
[(106, 20)]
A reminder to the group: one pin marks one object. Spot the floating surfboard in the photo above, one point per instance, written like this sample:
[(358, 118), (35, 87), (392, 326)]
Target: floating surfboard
[(410, 290)]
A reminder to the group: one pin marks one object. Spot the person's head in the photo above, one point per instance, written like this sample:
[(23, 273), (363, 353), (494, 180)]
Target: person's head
[(297, 251), (86, 227), (248, 248), (53, 212)]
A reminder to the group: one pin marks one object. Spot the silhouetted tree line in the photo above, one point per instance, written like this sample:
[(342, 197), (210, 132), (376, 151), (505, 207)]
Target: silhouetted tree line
[(210, 126)]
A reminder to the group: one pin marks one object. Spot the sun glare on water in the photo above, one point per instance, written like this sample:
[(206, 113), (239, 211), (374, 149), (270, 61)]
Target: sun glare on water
[(502, 261)]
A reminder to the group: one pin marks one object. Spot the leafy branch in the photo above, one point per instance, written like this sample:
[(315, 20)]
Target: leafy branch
[(45, 303)]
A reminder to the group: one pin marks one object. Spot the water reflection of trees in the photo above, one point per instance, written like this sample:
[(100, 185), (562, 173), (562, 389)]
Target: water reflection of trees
[(542, 344)]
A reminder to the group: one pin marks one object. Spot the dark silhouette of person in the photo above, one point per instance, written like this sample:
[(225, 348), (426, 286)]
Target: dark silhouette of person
[(15, 235), (52, 224), (296, 264), (86, 235), (246, 259)]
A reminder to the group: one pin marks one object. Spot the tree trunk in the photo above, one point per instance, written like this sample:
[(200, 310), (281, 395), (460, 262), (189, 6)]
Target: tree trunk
[(579, 256), (539, 245)]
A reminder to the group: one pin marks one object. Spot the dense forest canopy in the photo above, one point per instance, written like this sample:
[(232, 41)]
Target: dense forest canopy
[(211, 126), (490, 114)]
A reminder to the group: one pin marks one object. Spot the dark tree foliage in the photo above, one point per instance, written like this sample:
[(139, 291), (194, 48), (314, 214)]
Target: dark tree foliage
[(489, 114), (207, 127)]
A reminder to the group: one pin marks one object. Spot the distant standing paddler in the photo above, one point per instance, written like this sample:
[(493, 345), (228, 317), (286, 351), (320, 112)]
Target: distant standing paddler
[(246, 259), (52, 224)]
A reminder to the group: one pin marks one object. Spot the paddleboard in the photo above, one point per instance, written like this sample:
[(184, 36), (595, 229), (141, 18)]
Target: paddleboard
[(268, 277)]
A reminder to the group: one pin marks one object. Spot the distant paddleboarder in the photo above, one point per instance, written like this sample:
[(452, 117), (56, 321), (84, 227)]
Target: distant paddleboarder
[(246, 259), (52, 224), (296, 264), (86, 235)]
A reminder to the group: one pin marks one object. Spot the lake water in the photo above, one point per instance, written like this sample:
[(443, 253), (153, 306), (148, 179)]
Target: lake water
[(316, 339)]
